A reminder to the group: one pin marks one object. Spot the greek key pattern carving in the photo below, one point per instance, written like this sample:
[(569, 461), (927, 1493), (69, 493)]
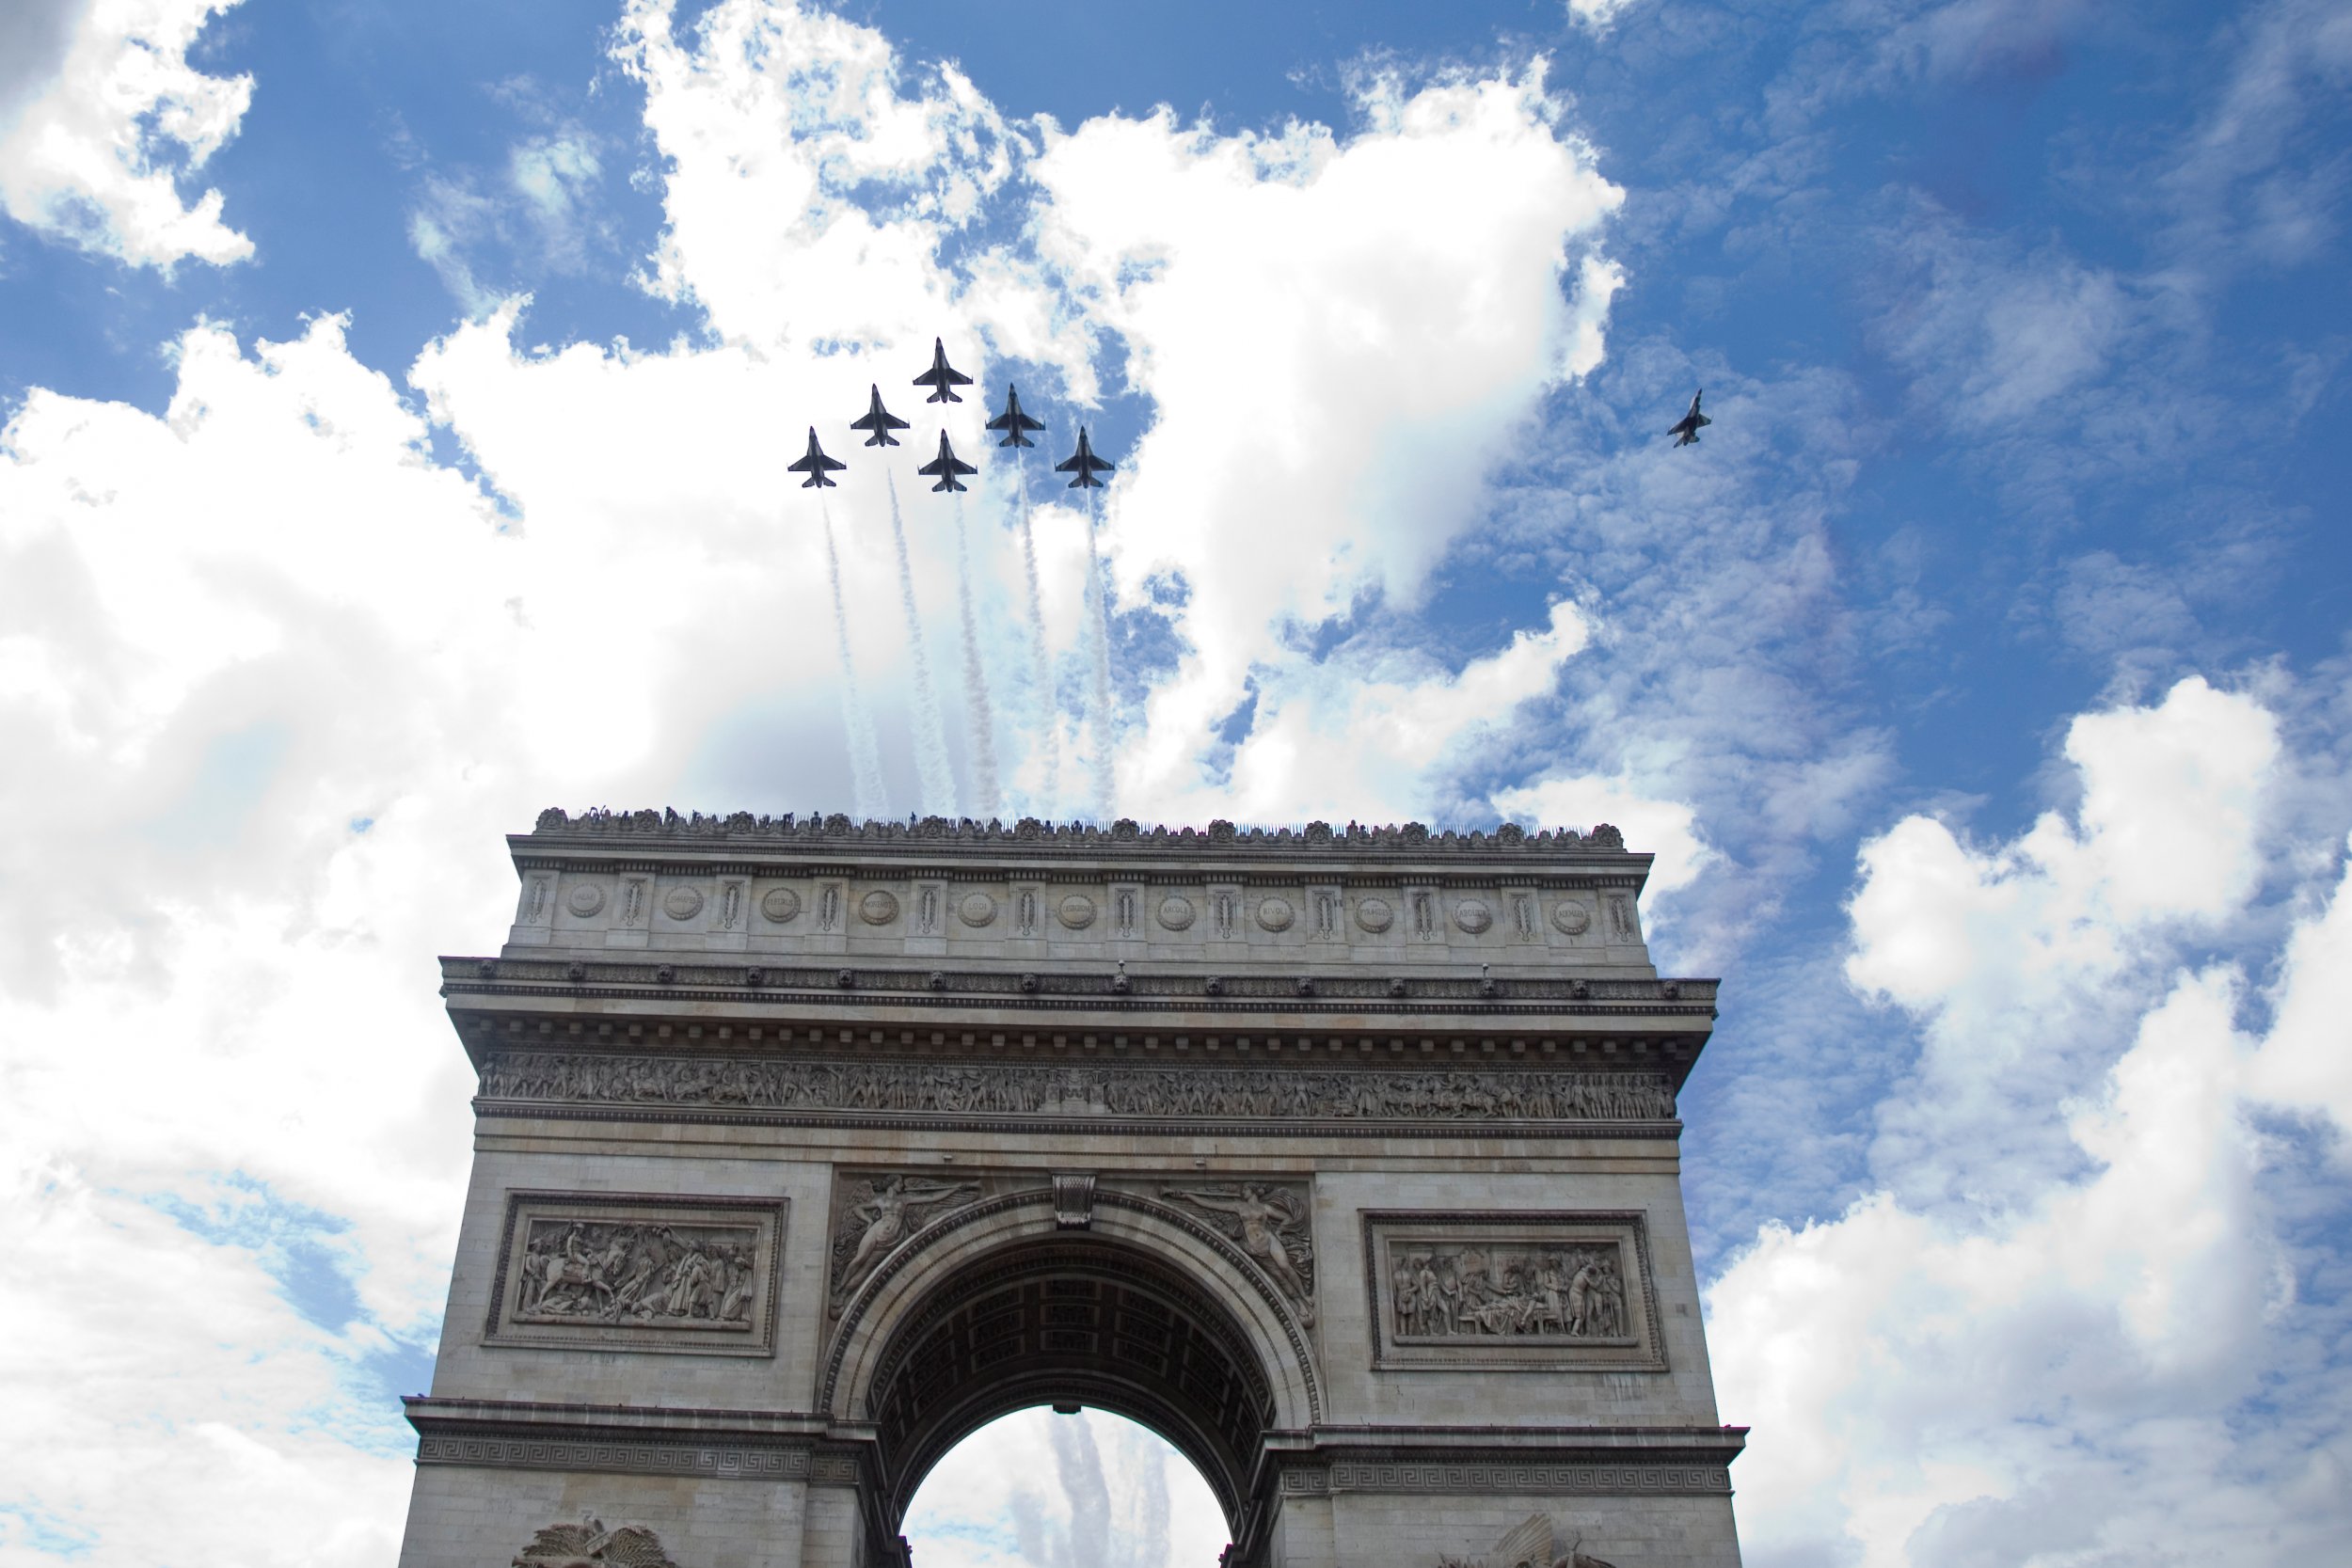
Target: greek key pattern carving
[(644, 1459), (1588, 1480), (1027, 1090)]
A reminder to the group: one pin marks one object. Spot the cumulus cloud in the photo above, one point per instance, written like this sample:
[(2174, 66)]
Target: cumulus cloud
[(2011, 1350), (1400, 322), (92, 145)]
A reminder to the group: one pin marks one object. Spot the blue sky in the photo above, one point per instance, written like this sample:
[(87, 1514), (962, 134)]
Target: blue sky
[(395, 405)]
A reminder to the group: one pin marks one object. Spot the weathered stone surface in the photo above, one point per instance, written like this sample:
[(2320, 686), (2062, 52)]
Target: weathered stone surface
[(1346, 1158)]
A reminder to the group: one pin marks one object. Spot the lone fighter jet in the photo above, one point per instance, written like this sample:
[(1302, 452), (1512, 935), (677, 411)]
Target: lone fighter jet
[(881, 421), (816, 465), (1013, 423), (1688, 426), (947, 466), (941, 378), (1084, 463)]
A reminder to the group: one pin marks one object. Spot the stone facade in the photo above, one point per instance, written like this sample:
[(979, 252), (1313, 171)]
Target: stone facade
[(1344, 1159)]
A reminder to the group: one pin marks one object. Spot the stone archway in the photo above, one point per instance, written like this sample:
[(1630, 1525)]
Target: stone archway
[(1128, 1304), (804, 1148)]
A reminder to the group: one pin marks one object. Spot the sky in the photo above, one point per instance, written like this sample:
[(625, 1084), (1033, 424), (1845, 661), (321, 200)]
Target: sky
[(395, 403)]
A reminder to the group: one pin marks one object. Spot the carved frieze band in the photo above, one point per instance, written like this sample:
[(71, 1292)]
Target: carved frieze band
[(1534, 1291), (604, 1271), (1000, 1090), (1502, 1477)]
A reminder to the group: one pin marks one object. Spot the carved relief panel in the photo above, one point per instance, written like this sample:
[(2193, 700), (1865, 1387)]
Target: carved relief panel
[(1533, 1292), (617, 1271), (874, 1212), (1270, 1221)]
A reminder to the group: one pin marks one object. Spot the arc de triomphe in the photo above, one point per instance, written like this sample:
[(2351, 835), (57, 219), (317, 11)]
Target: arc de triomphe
[(1343, 1159)]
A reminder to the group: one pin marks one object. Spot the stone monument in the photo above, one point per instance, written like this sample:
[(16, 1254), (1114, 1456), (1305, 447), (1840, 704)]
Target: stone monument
[(1344, 1159)]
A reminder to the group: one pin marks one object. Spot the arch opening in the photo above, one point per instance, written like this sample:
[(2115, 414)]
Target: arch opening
[(1042, 1487), (1067, 1321)]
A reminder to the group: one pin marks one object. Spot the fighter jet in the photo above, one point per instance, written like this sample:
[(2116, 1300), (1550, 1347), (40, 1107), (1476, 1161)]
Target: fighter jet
[(1013, 423), (1084, 463), (941, 378), (1688, 426), (947, 466), (880, 421), (816, 465)]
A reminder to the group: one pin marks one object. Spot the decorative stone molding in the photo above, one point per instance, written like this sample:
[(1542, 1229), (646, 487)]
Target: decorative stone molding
[(976, 910), (1076, 911), (1073, 1202), (998, 1090), (1533, 1292), (586, 900), (935, 834), (780, 906), (682, 903), (1176, 914), (1276, 914), (637, 1272), (877, 907)]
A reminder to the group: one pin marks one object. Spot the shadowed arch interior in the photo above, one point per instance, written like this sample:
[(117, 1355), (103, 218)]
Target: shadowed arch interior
[(1071, 1319)]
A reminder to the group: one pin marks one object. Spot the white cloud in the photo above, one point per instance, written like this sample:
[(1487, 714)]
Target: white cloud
[(94, 154), (1597, 14), (1399, 314), (2027, 1362), (1664, 828)]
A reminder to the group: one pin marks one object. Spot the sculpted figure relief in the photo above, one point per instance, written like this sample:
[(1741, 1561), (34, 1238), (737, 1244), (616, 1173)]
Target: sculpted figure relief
[(1290, 1094), (1270, 1222), (1483, 1291), (1528, 1547), (882, 1213), (655, 1276), (589, 1544)]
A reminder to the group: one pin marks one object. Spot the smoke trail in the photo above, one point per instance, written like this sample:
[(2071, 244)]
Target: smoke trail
[(979, 715), (1099, 634), (1048, 709), (931, 732), (866, 796)]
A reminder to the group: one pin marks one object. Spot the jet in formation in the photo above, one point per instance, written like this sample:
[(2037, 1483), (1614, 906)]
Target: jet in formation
[(1015, 423), (941, 378), (947, 466), (816, 466), (878, 423), (1688, 426), (1084, 463)]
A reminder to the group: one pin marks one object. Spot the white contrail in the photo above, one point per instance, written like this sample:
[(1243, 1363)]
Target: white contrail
[(866, 796), (980, 714), (1048, 709), (1099, 633), (931, 767)]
